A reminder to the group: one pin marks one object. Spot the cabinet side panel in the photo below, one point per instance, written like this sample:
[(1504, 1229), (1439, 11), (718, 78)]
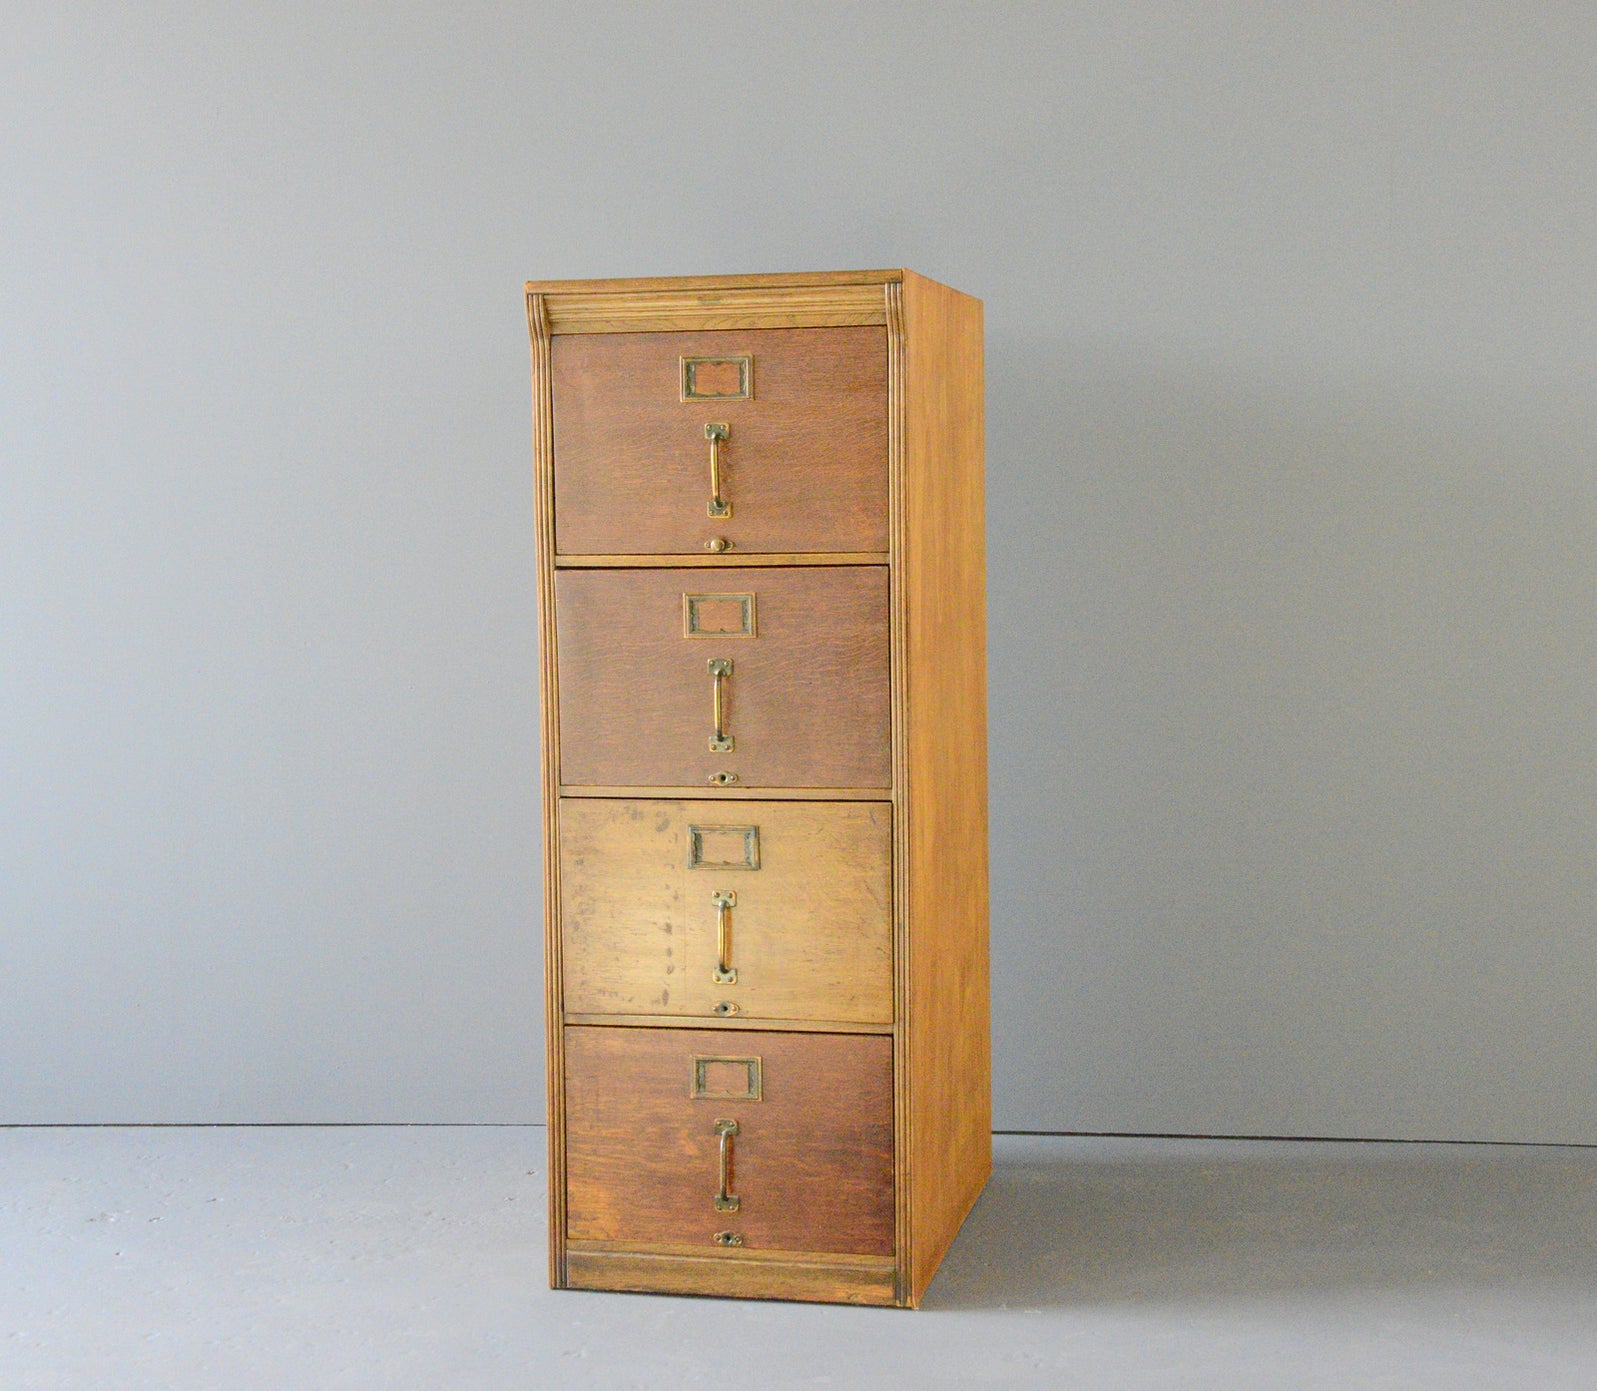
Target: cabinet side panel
[(943, 573)]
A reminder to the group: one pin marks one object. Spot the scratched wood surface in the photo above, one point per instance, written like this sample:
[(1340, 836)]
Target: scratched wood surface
[(804, 467), (812, 1162), (811, 933), (806, 704)]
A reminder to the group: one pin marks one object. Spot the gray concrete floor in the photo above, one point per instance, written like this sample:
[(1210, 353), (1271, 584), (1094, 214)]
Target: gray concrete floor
[(413, 1257)]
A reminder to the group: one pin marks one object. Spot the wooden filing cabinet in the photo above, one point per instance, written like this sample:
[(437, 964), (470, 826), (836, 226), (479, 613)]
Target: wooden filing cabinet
[(763, 642)]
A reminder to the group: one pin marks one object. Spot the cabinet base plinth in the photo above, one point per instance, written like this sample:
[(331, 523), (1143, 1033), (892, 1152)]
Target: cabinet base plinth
[(744, 1275)]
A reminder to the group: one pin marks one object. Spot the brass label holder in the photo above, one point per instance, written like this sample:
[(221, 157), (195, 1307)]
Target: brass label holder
[(709, 1082), (742, 841), (701, 613), (729, 378)]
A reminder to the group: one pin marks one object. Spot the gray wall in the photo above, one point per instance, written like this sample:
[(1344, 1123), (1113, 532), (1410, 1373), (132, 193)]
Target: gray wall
[(1291, 317)]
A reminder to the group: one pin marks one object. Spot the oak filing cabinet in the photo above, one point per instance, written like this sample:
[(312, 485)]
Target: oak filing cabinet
[(763, 638)]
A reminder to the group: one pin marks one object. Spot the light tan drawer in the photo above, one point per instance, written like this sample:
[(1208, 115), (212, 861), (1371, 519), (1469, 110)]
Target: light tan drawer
[(770, 910), (721, 1138), (802, 466), (803, 701)]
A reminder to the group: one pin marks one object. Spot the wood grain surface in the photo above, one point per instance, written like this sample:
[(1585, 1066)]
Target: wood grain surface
[(662, 304), (804, 467), (549, 747), (724, 560), (801, 794), (686, 1021), (692, 288), (811, 930), (864, 685), (812, 1160), (807, 701), (948, 1066), (649, 311), (734, 1273)]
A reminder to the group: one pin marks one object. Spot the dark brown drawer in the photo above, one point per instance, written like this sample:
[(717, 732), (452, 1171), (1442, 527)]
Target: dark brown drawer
[(803, 689), (771, 910), (803, 465), (808, 1157)]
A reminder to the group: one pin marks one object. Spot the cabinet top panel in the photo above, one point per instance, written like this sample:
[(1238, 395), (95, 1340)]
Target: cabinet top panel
[(714, 282), (804, 299)]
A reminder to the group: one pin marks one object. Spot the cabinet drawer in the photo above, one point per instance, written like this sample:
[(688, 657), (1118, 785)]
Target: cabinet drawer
[(803, 465), (773, 910), (803, 689), (807, 1158)]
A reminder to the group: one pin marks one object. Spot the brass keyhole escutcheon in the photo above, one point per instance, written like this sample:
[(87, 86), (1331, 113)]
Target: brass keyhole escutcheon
[(728, 1239), (723, 779)]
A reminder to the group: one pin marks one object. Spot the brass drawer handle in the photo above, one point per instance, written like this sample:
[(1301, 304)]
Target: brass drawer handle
[(720, 669), (724, 1201), (717, 506), (724, 900)]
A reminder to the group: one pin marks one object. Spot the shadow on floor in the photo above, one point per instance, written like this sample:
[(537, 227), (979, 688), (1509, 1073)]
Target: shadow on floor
[(1084, 1222)]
